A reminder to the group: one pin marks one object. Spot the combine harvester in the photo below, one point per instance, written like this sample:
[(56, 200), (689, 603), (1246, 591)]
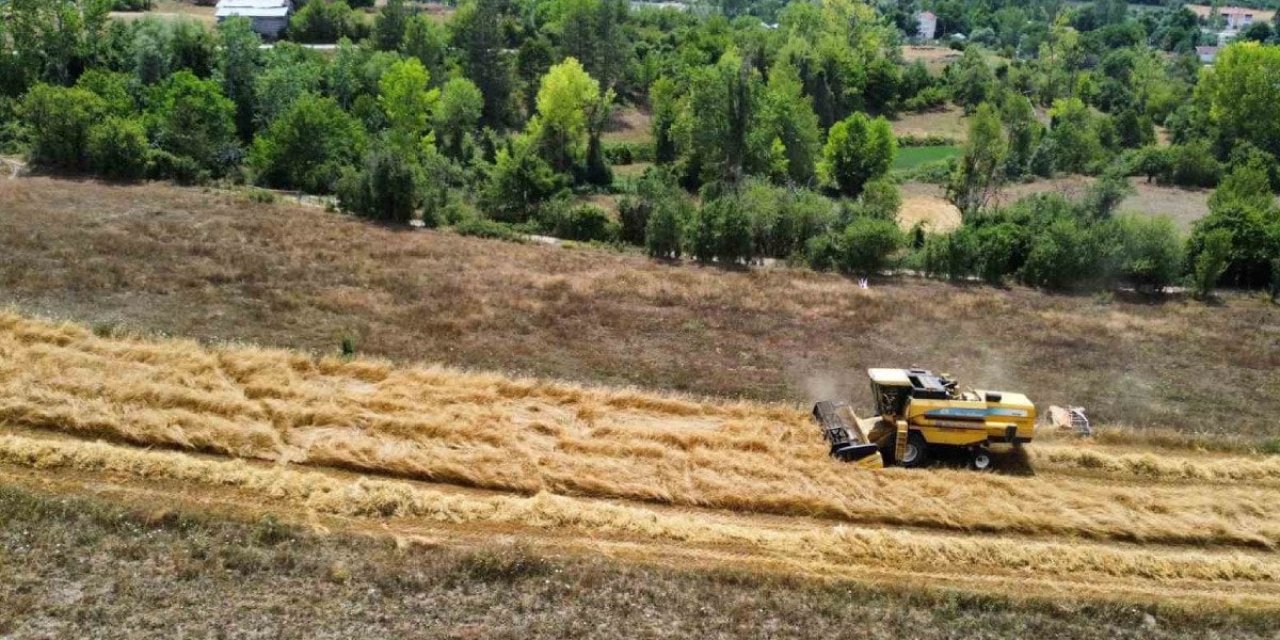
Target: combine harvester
[(918, 412)]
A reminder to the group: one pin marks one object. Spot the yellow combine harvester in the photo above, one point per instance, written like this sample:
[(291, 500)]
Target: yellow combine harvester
[(918, 411)]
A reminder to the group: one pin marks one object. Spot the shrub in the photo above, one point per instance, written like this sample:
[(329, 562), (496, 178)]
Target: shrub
[(1193, 165), (867, 243), (59, 120), (1151, 252), (633, 217), (953, 255), (624, 153), (485, 228), (1211, 262), (880, 199), (1000, 250), (386, 188), (663, 231), (308, 146), (519, 182), (1061, 256), (326, 21), (721, 230), (118, 148), (583, 222)]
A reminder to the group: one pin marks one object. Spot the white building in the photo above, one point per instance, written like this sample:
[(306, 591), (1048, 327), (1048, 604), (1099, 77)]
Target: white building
[(269, 17), (1207, 54), (926, 25)]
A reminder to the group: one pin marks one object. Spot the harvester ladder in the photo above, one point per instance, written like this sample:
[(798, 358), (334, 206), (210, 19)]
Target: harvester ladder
[(900, 441)]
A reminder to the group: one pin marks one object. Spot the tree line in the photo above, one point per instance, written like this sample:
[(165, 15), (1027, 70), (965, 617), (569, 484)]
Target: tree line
[(770, 132)]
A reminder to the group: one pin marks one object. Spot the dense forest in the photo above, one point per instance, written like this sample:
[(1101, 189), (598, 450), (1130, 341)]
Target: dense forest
[(770, 135)]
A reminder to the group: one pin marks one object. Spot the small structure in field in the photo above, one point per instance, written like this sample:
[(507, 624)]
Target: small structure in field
[(1207, 54), (926, 25), (269, 17)]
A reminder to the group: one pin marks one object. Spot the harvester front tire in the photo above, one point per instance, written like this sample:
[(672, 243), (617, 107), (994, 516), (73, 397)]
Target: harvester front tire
[(981, 460), (917, 454)]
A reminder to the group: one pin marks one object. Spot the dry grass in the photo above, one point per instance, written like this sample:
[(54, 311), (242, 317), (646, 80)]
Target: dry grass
[(531, 436), (171, 10), (141, 572), (630, 125), (924, 204), (824, 545), (217, 267), (949, 122), (1183, 206)]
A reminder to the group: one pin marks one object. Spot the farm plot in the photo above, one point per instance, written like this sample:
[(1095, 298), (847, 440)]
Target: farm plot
[(651, 477)]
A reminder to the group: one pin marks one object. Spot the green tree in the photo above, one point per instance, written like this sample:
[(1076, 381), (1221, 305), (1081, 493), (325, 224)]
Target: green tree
[(308, 146), (387, 188), (1075, 135), (457, 114), (1151, 252), (113, 88), (980, 171), (665, 103), (519, 182), (568, 102), (478, 35), (407, 100), (59, 120), (1243, 94), (664, 230), (717, 118), (239, 62), (325, 21), (787, 117), (1019, 120), (1211, 262), (390, 26), (428, 41), (972, 81), (858, 150), (190, 118), (285, 79), (118, 148)]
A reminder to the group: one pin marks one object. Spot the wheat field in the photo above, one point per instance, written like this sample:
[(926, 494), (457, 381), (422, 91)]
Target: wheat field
[(661, 468)]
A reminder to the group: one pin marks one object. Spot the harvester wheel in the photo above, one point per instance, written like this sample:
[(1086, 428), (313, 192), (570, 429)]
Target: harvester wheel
[(981, 460), (917, 454)]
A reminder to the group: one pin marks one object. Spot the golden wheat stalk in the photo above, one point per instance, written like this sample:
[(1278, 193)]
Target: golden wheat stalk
[(530, 436)]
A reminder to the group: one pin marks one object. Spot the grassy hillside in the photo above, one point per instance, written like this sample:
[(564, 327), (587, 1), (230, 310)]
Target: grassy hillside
[(215, 266)]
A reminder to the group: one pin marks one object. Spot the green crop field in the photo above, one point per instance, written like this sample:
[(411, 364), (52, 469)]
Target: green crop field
[(912, 157)]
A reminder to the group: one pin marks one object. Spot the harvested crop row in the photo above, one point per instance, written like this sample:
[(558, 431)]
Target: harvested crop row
[(531, 436), (1156, 467), (364, 497)]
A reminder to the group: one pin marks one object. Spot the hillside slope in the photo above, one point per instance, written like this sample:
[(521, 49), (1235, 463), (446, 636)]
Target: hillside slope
[(215, 266)]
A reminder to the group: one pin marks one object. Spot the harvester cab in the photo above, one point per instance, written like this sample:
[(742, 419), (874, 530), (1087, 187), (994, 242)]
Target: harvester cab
[(919, 412)]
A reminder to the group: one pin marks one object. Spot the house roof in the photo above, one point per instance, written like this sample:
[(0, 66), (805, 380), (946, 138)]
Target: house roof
[(1206, 50), (928, 14), (254, 8)]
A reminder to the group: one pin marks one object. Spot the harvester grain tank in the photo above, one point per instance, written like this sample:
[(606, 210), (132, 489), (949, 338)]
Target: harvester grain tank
[(919, 413)]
